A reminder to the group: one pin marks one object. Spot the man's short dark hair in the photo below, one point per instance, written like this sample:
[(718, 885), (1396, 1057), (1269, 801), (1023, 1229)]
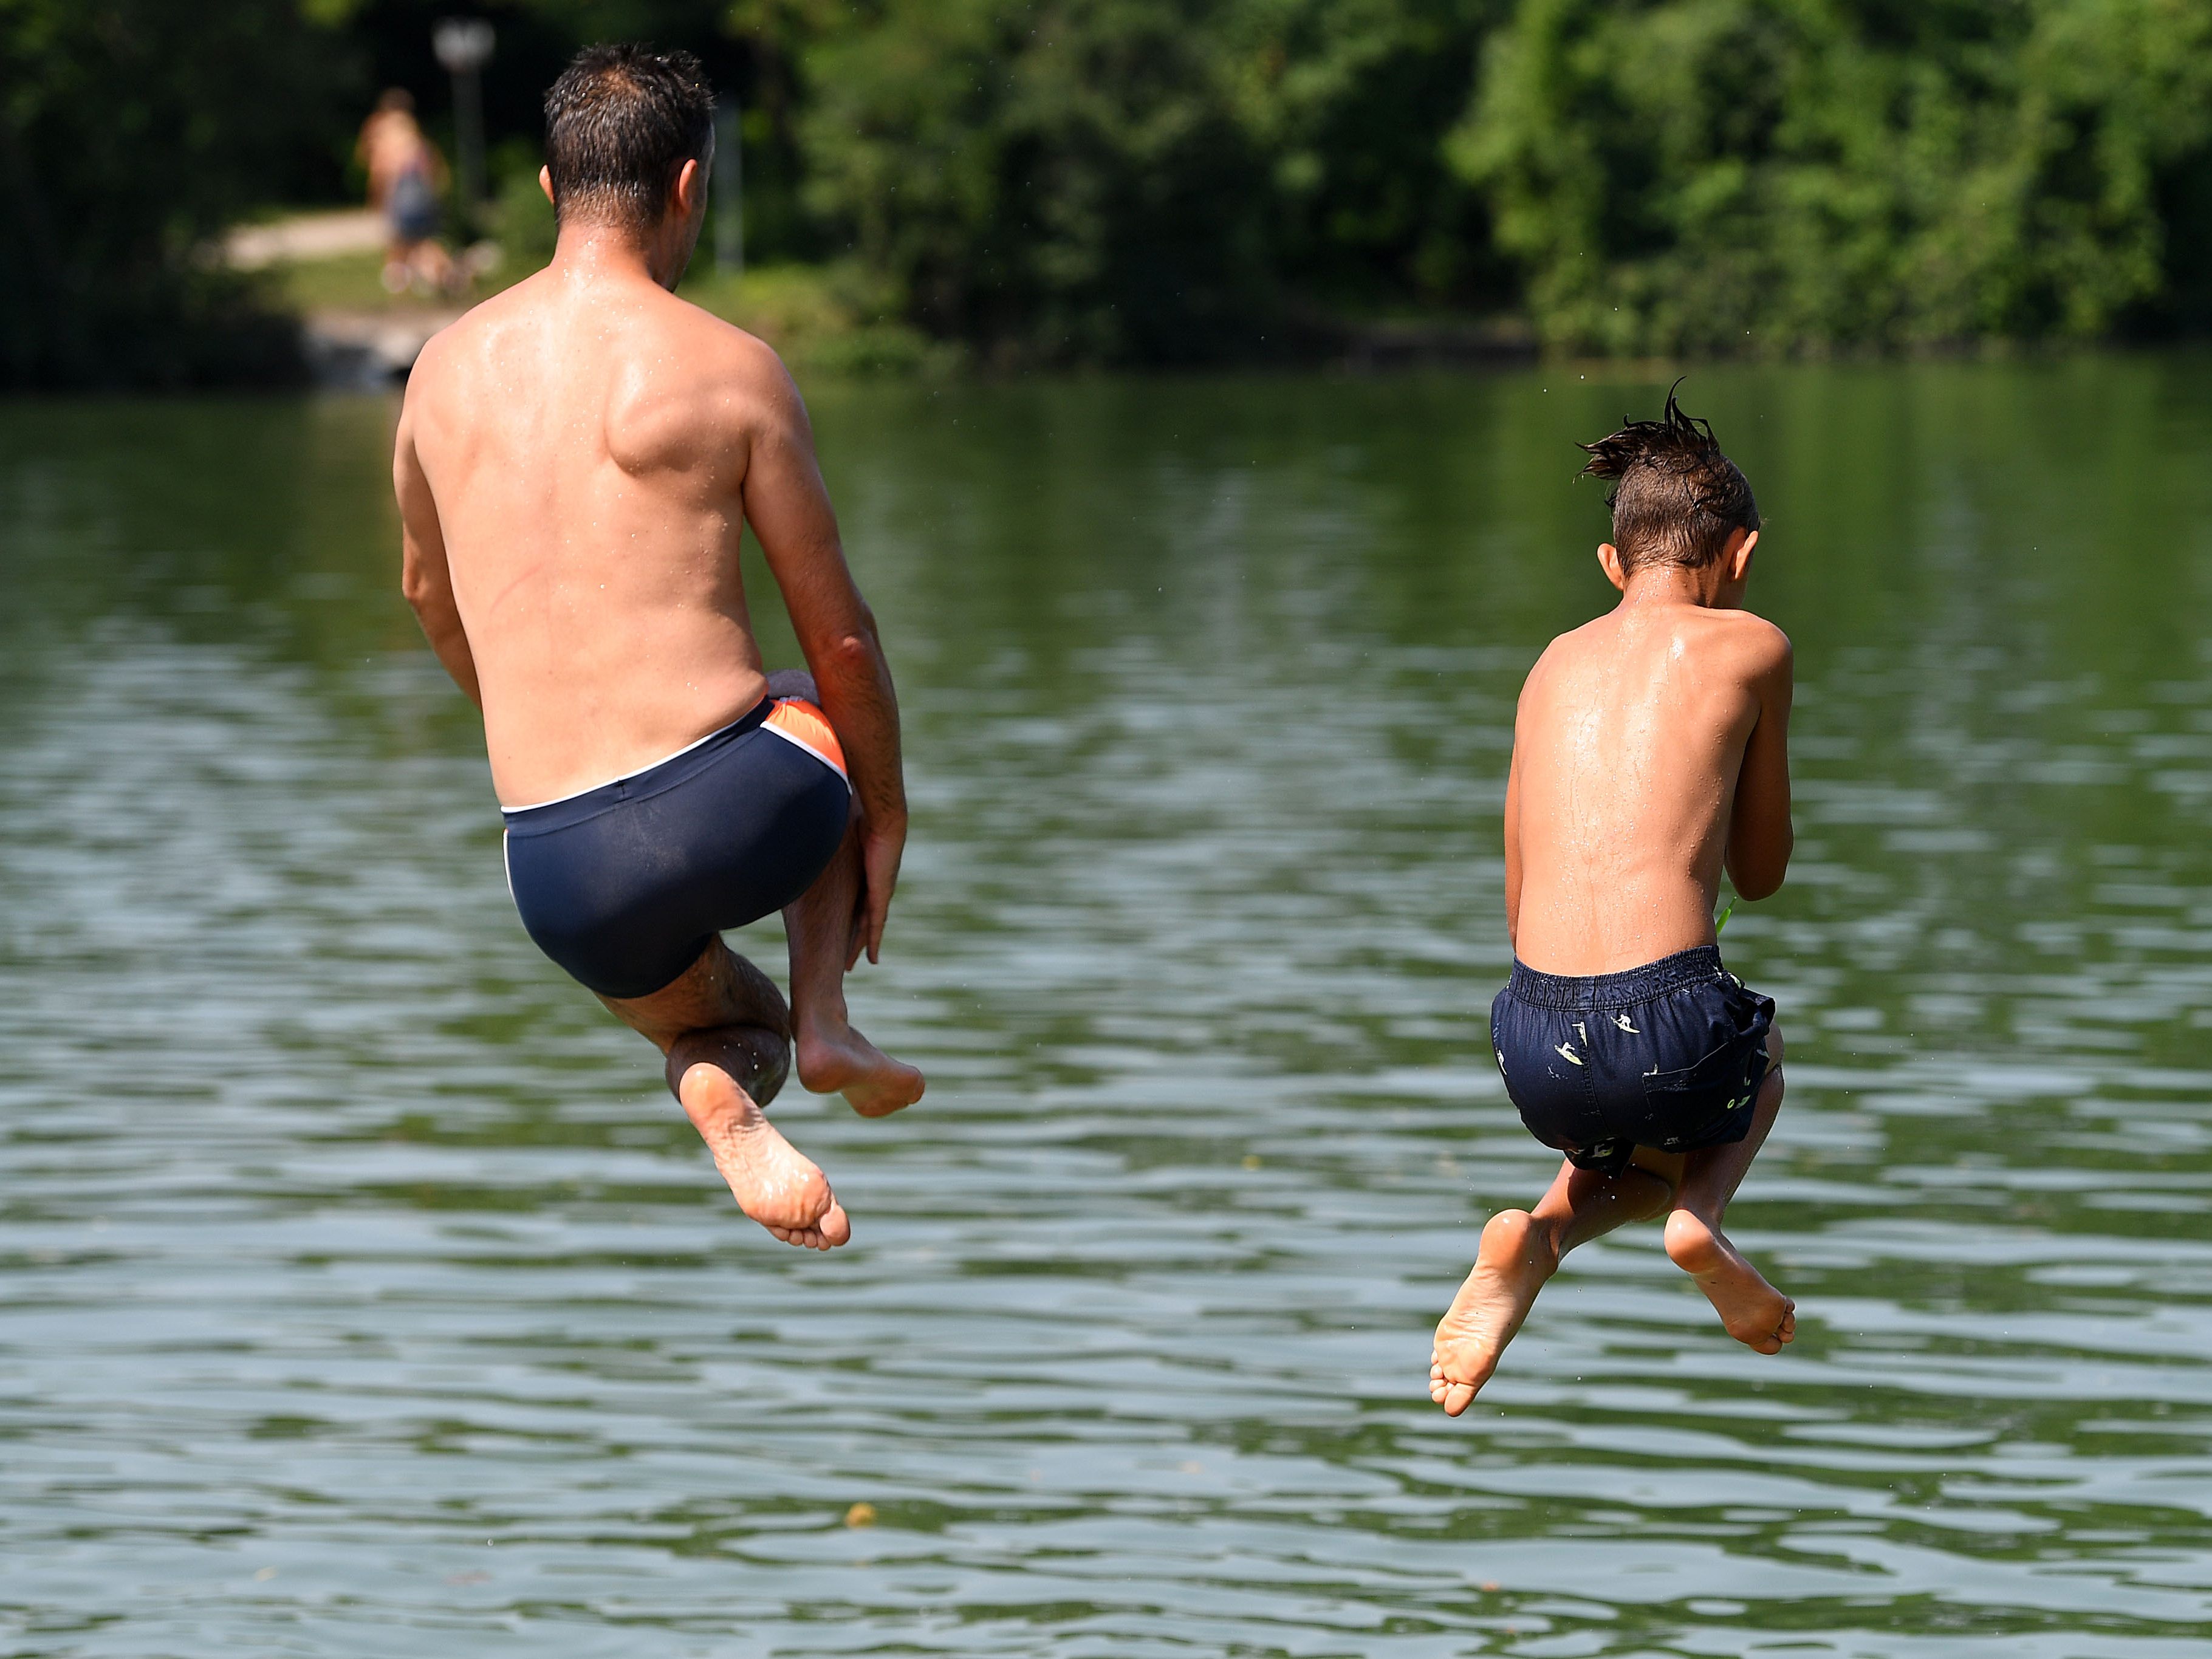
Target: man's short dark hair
[(620, 123), (1676, 497)]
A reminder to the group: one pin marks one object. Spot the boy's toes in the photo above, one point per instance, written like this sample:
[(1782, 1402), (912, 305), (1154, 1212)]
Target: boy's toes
[(1784, 1332)]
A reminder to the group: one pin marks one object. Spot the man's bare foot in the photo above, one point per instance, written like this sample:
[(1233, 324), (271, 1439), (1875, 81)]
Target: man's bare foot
[(838, 1060), (772, 1181), (1752, 1310), (1514, 1259)]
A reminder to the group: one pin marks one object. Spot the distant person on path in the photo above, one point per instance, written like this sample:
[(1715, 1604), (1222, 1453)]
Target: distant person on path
[(1650, 750), (406, 177), (577, 460)]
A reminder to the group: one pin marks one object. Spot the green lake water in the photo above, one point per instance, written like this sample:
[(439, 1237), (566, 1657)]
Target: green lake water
[(361, 1293)]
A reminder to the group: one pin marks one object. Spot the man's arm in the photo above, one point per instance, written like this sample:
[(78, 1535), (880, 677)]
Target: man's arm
[(423, 576), (1513, 847), (788, 507), (1759, 835)]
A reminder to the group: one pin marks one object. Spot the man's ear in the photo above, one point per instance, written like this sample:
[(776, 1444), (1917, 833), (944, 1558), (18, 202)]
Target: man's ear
[(1739, 552), (1608, 559), (545, 183), (690, 189)]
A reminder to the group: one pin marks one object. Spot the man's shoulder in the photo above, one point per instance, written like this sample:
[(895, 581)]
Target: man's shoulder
[(686, 356), (663, 337), (715, 343), (468, 336)]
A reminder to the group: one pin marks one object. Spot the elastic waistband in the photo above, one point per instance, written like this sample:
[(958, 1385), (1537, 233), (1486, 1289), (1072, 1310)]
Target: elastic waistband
[(1699, 965), (662, 775)]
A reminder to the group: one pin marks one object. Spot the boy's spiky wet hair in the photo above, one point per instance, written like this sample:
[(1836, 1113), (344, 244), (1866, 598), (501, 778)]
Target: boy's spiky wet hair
[(1675, 497)]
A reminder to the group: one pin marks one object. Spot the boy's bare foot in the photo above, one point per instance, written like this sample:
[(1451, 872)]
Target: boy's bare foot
[(1752, 1310), (1516, 1257), (838, 1060), (772, 1181)]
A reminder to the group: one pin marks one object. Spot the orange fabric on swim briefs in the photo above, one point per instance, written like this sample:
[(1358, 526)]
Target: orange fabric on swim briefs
[(796, 720)]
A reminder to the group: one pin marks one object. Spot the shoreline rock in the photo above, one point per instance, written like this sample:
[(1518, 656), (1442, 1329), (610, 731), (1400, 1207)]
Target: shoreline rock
[(368, 350)]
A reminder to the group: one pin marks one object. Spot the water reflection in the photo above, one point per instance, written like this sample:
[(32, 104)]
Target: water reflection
[(355, 1278)]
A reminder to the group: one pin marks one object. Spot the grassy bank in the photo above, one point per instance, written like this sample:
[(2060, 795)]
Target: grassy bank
[(822, 320)]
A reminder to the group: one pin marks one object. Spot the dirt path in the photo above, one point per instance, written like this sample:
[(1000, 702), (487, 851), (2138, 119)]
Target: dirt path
[(304, 236)]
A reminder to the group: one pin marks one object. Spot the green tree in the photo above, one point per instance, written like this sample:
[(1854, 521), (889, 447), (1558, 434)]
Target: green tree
[(1719, 176), (1145, 179), (1348, 101), (131, 131)]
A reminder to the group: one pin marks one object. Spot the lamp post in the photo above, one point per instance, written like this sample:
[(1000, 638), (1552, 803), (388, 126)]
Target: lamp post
[(463, 44), (729, 192)]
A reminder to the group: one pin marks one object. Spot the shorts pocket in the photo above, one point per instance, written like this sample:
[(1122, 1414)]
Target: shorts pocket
[(1686, 1107)]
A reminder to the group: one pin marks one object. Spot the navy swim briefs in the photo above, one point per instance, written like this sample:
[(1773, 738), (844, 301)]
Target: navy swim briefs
[(624, 886), (1668, 1055)]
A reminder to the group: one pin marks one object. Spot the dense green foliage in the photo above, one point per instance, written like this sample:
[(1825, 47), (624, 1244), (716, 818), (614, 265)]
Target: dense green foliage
[(1777, 174), (130, 131), (1150, 178), (1184, 180)]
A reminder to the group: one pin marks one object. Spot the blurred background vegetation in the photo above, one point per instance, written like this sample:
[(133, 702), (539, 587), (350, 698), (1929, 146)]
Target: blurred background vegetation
[(1038, 182)]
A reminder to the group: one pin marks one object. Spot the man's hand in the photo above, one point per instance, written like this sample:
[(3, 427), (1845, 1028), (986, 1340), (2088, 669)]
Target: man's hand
[(882, 844)]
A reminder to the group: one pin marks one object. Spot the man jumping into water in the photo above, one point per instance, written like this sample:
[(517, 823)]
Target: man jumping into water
[(1650, 750), (576, 461)]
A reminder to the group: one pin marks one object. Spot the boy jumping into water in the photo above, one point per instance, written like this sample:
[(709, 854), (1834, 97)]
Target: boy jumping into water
[(1650, 752), (576, 461)]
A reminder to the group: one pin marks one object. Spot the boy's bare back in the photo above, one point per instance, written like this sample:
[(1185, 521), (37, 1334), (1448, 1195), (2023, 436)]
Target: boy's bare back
[(1648, 750)]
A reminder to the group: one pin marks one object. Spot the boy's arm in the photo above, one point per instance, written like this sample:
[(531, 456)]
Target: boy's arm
[(424, 576), (1759, 835), (788, 507)]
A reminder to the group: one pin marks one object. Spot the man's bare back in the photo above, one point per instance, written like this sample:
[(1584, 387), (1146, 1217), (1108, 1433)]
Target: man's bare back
[(575, 463), (1649, 753), (594, 444)]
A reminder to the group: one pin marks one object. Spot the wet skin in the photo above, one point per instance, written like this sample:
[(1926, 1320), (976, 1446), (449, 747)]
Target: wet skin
[(1649, 753), (575, 463)]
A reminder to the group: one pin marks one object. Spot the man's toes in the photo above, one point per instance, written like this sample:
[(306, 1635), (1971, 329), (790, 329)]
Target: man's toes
[(813, 1236), (1458, 1396)]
